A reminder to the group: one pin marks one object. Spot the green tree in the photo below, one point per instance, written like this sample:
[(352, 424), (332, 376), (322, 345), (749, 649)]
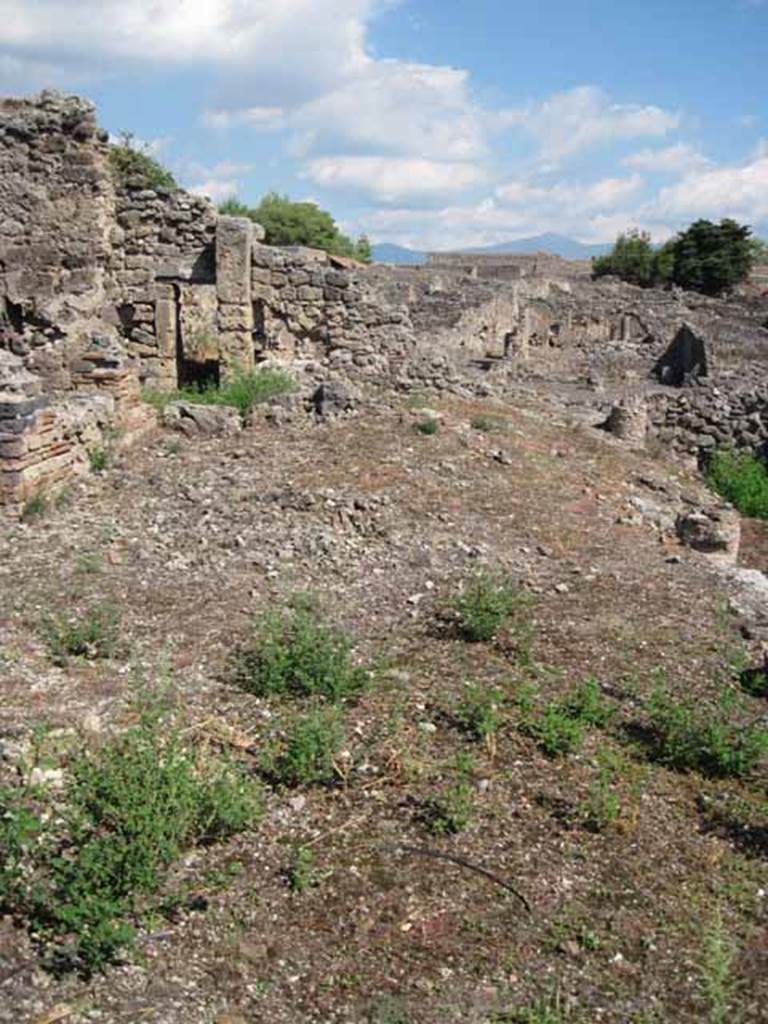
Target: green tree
[(759, 251), (632, 259), (289, 223), (712, 258)]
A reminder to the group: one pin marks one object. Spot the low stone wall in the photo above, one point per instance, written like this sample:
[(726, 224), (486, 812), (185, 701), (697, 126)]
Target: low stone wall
[(700, 419)]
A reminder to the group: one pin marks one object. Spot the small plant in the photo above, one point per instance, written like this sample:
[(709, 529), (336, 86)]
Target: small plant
[(428, 426), (130, 159), (243, 390), (555, 731), (34, 508), (692, 736), (99, 459), (478, 713), (602, 807), (588, 705), (296, 654), (302, 874), (547, 1010), (484, 606), (452, 811), (488, 424), (310, 752), (81, 871), (742, 478), (717, 973), (94, 634)]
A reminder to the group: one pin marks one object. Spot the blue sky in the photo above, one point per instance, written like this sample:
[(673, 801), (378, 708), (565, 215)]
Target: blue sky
[(432, 123)]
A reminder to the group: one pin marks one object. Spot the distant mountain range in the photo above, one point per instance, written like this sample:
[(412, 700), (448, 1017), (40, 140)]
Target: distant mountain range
[(560, 245)]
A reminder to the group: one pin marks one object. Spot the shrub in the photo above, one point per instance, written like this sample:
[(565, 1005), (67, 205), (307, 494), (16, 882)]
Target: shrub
[(488, 424), (484, 606), (93, 634), (98, 459), (308, 755), (632, 259), (302, 874), (693, 736), (588, 705), (741, 478), (555, 731), (129, 810), (428, 427), (296, 654), (130, 160)]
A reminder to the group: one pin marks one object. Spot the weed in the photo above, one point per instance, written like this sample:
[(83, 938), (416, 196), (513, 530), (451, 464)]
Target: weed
[(129, 809), (302, 874), (296, 654), (588, 705), (547, 1010), (34, 508), (89, 564), (693, 736), (99, 459), (452, 811), (478, 713), (560, 726), (719, 985), (427, 426), (602, 807), (488, 424), (243, 390), (485, 605), (309, 753), (555, 731), (94, 634), (388, 1010), (742, 478)]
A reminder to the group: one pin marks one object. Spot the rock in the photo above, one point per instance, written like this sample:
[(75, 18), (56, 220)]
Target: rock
[(334, 398), (714, 531), (628, 420), (202, 420)]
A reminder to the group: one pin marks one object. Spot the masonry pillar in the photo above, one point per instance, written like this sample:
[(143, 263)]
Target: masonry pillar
[(234, 243)]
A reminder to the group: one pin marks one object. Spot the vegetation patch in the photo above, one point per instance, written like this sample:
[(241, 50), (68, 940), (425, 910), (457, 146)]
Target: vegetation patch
[(243, 391), (95, 633), (741, 478), (80, 868), (295, 653), (484, 606), (131, 160), (489, 424), (308, 754), (560, 726)]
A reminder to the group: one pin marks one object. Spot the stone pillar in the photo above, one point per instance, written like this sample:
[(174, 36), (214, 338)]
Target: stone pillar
[(628, 420), (234, 242), (165, 331)]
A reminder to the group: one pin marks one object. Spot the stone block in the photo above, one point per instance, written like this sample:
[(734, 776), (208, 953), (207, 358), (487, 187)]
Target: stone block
[(234, 241)]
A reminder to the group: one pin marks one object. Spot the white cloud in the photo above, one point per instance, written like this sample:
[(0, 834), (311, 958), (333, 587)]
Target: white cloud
[(260, 118), (216, 189), (714, 192), (675, 159), (585, 117), (606, 193), (392, 179)]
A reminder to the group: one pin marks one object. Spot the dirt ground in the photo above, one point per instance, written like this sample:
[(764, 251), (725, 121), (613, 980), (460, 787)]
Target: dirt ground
[(191, 540)]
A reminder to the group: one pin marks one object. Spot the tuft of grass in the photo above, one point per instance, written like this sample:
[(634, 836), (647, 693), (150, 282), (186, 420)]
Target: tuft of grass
[(741, 478), (309, 752), (80, 872), (485, 605), (428, 426), (718, 982), (478, 712), (588, 705), (93, 634), (99, 459), (244, 390), (560, 726), (302, 874), (34, 508), (692, 736), (602, 807), (295, 653), (452, 811), (489, 424), (547, 1010)]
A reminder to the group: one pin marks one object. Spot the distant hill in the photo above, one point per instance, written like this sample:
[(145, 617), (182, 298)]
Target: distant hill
[(385, 252), (560, 245)]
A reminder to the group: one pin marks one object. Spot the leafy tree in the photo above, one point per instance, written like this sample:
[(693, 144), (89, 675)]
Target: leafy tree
[(711, 258), (130, 159), (632, 259), (289, 223), (759, 251)]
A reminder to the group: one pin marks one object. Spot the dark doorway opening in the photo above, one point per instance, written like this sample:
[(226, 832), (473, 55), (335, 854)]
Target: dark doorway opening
[(201, 374)]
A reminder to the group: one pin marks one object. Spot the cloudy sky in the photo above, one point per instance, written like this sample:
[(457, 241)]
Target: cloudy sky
[(432, 123)]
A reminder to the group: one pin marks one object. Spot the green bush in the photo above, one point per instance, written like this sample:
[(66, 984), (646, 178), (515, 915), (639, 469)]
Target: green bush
[(452, 811), (742, 479), (560, 726), (130, 161), (93, 634), (488, 424), (309, 752), (485, 605), (81, 869), (588, 705), (478, 712), (428, 427), (99, 459), (296, 654), (244, 390), (694, 736)]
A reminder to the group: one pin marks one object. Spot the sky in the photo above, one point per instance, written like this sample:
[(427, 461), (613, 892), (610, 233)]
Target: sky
[(434, 124)]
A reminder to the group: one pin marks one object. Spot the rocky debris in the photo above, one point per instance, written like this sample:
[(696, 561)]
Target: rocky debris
[(197, 420), (715, 531), (335, 398)]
